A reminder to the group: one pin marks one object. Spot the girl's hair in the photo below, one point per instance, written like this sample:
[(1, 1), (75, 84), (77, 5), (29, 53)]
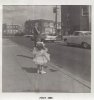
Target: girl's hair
[(40, 46)]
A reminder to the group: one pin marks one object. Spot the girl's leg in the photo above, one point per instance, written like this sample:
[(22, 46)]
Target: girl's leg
[(42, 71), (38, 68), (41, 67)]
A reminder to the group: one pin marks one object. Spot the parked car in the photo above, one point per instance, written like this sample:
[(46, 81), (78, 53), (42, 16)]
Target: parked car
[(82, 38), (28, 35), (48, 37), (44, 37)]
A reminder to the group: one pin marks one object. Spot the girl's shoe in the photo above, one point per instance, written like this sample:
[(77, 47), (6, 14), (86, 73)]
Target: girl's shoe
[(43, 72)]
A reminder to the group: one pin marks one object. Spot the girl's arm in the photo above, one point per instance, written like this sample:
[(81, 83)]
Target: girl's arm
[(46, 49), (47, 55), (34, 51)]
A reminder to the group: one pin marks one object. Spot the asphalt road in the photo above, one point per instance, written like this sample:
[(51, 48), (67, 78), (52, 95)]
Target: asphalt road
[(75, 60)]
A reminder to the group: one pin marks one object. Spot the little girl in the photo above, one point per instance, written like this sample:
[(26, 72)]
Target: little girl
[(41, 56)]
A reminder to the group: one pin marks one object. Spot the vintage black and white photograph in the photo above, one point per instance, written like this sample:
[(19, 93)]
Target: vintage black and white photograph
[(46, 48)]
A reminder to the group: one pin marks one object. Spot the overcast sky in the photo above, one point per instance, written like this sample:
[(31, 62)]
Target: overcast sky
[(19, 14)]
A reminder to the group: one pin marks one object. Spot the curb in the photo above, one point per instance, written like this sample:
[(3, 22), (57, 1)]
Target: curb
[(81, 81)]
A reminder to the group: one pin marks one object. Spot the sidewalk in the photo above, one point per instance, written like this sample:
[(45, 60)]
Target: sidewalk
[(19, 74)]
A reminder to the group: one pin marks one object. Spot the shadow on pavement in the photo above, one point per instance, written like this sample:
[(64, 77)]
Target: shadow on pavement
[(34, 70), (30, 70), (25, 56)]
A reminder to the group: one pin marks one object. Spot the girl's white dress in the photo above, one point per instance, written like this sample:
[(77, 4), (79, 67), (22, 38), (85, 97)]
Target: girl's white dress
[(41, 57)]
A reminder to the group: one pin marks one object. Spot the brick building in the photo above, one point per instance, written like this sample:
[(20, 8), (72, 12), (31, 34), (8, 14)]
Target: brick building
[(10, 29), (75, 18)]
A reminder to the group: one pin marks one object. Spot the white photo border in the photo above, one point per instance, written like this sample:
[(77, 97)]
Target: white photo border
[(56, 96)]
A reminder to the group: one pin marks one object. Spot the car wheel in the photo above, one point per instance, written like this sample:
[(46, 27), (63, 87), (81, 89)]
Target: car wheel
[(85, 45)]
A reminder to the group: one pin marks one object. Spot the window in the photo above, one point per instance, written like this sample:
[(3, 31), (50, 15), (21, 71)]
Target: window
[(48, 30), (85, 11)]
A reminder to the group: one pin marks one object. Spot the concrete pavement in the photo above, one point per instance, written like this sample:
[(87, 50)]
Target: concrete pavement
[(19, 74)]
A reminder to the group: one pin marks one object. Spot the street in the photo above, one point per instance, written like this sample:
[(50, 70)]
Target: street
[(75, 60)]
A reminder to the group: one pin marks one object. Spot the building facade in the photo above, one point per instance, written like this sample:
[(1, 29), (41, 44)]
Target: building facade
[(10, 29), (45, 26), (75, 18)]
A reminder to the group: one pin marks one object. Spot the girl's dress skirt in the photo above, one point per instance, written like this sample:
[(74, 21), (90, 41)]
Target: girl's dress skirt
[(40, 60)]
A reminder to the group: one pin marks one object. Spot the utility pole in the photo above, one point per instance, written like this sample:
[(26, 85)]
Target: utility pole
[(56, 20), (55, 11)]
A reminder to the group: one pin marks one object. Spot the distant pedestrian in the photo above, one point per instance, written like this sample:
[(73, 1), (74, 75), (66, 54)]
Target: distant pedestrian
[(36, 33), (41, 57)]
